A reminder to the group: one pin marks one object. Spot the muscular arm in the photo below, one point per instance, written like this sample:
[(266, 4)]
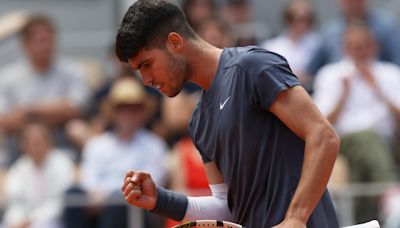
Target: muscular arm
[(295, 108)]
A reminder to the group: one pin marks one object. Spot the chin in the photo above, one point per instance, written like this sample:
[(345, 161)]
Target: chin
[(172, 93)]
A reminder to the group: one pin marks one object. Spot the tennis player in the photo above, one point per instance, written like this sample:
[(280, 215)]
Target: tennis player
[(267, 150)]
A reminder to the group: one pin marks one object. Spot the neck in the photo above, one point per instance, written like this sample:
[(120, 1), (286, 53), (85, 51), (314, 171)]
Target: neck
[(125, 136), (203, 58), (356, 16), (40, 67), (38, 162), (295, 35)]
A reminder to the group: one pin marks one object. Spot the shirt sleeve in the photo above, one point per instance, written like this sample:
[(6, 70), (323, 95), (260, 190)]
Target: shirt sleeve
[(266, 86)]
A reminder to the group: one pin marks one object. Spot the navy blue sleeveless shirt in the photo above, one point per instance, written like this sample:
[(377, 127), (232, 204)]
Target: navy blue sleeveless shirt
[(258, 156)]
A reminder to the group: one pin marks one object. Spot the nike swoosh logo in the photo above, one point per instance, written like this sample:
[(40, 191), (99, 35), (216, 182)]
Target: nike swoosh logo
[(221, 105)]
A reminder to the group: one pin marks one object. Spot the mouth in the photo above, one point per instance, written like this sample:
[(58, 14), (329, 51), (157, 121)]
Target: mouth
[(158, 87)]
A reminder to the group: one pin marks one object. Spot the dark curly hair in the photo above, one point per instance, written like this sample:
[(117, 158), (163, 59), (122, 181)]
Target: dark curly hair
[(147, 25)]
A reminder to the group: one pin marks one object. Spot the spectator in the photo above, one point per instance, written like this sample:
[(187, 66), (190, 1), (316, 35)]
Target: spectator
[(383, 27), (216, 31), (198, 10), (36, 182), (359, 95), (246, 31), (41, 85), (298, 41), (128, 145)]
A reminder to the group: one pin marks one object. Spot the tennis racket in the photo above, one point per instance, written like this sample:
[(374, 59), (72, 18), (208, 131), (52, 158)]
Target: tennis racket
[(209, 223)]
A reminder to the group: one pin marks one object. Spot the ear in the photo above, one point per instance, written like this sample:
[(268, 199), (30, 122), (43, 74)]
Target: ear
[(175, 42)]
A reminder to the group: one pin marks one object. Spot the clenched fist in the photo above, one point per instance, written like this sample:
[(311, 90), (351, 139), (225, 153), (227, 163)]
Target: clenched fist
[(139, 190)]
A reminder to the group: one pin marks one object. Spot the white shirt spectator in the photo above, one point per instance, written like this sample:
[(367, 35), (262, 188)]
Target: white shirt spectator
[(106, 160), (35, 193), (20, 85), (297, 53), (363, 109)]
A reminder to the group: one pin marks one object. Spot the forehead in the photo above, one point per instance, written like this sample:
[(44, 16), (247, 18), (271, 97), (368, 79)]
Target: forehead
[(145, 54)]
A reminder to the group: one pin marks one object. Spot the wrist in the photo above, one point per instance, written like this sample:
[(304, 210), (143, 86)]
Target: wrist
[(296, 220), (170, 204), (154, 203), (299, 215)]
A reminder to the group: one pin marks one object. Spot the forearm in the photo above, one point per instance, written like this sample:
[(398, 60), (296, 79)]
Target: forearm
[(333, 116), (179, 207), (170, 204), (54, 112), (210, 207), (11, 122), (320, 153)]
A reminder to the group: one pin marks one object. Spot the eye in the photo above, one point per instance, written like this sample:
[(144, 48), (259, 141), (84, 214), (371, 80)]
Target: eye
[(146, 66)]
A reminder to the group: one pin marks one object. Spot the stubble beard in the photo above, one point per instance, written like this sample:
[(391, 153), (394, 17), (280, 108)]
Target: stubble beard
[(182, 74)]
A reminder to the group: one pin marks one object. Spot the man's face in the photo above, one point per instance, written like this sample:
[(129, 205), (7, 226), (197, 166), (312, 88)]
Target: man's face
[(162, 70), (359, 45), (35, 142), (40, 44), (128, 117), (353, 7)]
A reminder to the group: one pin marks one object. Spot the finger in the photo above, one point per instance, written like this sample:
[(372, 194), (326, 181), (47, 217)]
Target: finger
[(127, 189), (125, 184), (133, 196), (127, 179), (129, 173), (131, 187), (139, 177)]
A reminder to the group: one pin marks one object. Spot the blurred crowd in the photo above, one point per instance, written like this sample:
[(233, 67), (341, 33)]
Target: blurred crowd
[(62, 135)]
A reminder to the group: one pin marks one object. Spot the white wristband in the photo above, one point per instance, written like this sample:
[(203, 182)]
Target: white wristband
[(210, 207)]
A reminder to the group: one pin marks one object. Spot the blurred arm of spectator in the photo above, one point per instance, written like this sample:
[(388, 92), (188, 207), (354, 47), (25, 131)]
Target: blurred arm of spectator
[(370, 79), (331, 90), (35, 183), (333, 115)]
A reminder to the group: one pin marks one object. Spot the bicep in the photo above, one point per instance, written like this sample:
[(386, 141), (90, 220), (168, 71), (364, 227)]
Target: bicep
[(214, 176), (296, 110)]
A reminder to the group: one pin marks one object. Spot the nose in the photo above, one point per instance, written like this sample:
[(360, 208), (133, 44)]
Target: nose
[(147, 79)]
